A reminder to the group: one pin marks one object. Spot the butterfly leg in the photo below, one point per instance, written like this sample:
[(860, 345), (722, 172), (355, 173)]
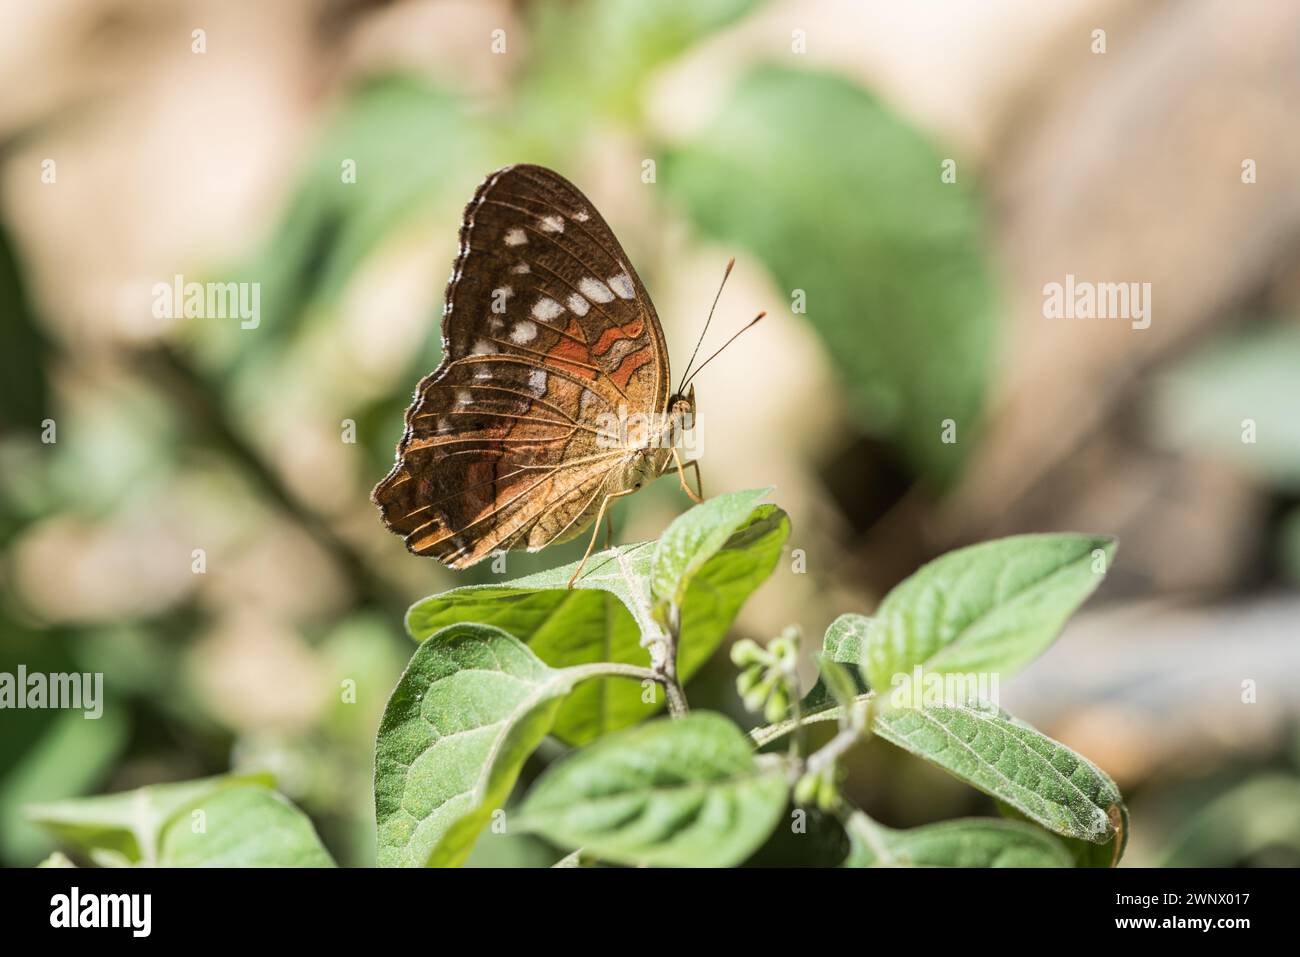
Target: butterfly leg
[(681, 477), (595, 530)]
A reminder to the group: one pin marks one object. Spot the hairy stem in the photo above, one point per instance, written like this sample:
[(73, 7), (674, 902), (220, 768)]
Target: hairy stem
[(614, 669), (666, 667), (798, 740), (831, 751)]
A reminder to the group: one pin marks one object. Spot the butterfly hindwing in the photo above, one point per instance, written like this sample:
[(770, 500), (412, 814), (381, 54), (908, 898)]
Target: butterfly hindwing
[(546, 327)]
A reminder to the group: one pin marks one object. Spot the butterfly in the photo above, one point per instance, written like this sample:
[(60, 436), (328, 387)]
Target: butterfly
[(552, 399)]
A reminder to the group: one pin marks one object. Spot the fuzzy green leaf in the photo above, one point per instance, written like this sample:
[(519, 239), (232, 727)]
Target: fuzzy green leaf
[(470, 708), (965, 843), (694, 538), (129, 824), (242, 826), (989, 608), (1043, 779), (685, 792), (842, 645)]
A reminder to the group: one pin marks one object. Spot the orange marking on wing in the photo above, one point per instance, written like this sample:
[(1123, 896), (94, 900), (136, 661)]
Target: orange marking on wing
[(611, 335), (572, 350), (631, 362)]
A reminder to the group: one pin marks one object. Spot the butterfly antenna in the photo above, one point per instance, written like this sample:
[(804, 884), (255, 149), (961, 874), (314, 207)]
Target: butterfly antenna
[(700, 341), (753, 322)]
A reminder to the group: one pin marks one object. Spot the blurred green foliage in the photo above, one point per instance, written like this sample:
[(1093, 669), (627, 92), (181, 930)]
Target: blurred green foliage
[(1235, 399), (24, 349), (843, 200), (833, 192)]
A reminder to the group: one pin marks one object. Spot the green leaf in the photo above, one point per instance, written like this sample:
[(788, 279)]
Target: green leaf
[(964, 843), (685, 792), (470, 708), (842, 644), (1083, 853), (845, 637), (608, 616), (890, 258), (989, 608), (130, 823), (986, 747), (692, 539), (245, 825), (56, 859)]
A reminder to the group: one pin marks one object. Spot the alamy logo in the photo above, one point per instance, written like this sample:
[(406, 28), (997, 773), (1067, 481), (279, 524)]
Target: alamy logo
[(75, 909), (83, 691), (940, 689), (209, 300), (1081, 299)]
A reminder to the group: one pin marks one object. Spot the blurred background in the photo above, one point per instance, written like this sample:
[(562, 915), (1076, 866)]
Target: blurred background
[(897, 182)]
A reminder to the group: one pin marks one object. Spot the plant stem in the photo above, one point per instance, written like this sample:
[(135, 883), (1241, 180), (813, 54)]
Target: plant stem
[(798, 740), (667, 667), (828, 753), (677, 705), (614, 669)]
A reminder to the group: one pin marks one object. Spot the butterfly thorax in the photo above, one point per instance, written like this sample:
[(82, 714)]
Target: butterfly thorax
[(649, 446)]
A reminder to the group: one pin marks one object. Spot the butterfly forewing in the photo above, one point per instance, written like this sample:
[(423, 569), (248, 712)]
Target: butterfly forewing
[(546, 328)]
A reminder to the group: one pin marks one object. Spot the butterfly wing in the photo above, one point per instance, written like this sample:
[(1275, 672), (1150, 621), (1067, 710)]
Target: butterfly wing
[(546, 326)]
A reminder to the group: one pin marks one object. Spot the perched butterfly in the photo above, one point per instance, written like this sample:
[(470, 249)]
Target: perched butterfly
[(548, 336)]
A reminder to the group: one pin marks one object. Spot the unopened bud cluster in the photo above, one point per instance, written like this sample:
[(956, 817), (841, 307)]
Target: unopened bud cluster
[(769, 677), (820, 788)]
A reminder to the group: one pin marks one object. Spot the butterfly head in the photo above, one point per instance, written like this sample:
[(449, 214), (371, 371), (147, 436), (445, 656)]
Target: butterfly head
[(682, 405), (681, 410)]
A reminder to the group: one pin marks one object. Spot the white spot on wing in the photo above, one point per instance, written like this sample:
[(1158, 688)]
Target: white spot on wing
[(537, 382), (483, 348), (546, 309), (551, 224), (595, 290), (520, 270), (581, 216), (622, 284), (464, 397), (577, 304), (515, 237), (523, 332)]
